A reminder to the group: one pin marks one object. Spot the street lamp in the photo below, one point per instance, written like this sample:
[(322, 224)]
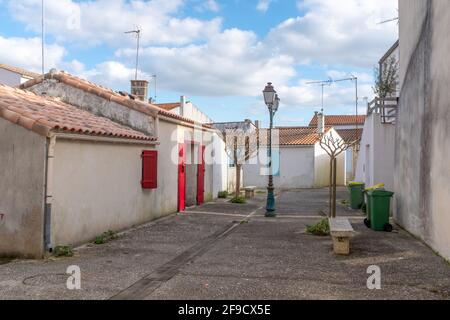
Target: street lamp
[(273, 102)]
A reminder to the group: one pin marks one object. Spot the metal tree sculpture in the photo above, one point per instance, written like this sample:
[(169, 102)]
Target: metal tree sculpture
[(241, 146), (334, 146)]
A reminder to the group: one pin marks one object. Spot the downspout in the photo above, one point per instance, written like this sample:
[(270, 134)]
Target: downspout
[(51, 141)]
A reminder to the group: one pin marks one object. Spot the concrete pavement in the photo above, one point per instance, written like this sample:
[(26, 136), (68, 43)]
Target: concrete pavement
[(229, 251)]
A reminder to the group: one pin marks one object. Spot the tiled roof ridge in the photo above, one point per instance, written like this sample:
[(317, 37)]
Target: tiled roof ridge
[(345, 119), (19, 70), (44, 127), (106, 93)]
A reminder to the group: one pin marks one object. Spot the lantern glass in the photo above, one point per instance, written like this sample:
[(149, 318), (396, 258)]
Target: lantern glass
[(276, 103), (269, 94)]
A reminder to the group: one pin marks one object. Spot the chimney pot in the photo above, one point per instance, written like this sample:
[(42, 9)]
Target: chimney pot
[(139, 88), (320, 123)]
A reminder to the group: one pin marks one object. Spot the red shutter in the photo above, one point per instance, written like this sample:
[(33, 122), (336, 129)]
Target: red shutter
[(149, 169)]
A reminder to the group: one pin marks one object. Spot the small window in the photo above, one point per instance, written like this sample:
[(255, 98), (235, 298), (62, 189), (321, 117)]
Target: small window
[(149, 169)]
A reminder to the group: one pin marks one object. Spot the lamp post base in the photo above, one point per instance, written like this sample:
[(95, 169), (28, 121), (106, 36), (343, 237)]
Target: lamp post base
[(270, 209)]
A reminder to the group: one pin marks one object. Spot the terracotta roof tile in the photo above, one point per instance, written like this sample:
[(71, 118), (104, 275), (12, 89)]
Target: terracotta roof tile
[(335, 120), (19, 71), (45, 114), (350, 135), (168, 106), (299, 136), (124, 99)]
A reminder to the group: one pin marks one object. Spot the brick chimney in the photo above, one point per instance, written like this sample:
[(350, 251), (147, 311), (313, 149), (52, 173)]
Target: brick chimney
[(320, 122), (139, 88)]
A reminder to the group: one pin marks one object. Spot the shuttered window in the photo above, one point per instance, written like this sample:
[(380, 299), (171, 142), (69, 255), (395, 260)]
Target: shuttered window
[(149, 169)]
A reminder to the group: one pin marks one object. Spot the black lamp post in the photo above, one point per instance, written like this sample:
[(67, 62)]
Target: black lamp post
[(272, 101)]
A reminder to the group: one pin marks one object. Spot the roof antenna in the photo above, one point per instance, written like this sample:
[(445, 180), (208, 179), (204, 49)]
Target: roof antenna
[(43, 38), (137, 32)]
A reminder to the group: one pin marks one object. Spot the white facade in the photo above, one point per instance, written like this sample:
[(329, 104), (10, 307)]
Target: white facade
[(306, 166), (377, 151)]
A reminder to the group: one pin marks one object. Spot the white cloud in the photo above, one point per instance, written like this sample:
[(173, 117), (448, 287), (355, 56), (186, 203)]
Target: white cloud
[(233, 62), (26, 53), (195, 57), (208, 5), (105, 21), (263, 5), (337, 34)]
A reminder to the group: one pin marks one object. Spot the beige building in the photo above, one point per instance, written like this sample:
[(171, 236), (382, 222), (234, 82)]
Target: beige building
[(79, 159)]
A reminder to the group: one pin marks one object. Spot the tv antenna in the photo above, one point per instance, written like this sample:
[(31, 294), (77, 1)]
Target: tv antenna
[(137, 33), (43, 37), (331, 81), (322, 84), (389, 20)]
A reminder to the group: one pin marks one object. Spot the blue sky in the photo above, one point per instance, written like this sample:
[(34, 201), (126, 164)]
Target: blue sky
[(219, 53)]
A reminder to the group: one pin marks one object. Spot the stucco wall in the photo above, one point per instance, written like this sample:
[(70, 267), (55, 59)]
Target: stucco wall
[(422, 177), (322, 168), (97, 105), (97, 185), (97, 188), (376, 157), (296, 170), (220, 166), (22, 172)]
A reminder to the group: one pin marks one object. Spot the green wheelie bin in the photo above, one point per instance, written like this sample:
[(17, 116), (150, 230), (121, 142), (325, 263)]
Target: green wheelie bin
[(366, 206), (379, 209), (356, 194)]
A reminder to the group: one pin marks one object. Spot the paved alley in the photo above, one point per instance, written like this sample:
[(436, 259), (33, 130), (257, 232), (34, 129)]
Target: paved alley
[(228, 251)]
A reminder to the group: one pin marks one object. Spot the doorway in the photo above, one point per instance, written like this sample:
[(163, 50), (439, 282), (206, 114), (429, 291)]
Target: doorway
[(191, 175)]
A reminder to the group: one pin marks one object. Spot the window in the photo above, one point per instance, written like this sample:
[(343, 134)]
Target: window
[(149, 169)]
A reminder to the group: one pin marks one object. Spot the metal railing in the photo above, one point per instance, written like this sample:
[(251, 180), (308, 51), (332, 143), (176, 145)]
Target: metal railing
[(386, 107)]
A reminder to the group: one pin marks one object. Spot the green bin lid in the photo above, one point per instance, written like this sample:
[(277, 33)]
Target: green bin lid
[(351, 184), (380, 193)]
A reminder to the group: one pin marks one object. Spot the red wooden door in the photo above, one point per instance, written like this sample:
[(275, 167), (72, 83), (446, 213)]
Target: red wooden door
[(201, 176), (181, 178)]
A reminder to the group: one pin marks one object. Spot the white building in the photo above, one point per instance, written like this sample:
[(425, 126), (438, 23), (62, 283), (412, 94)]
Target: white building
[(83, 160), (376, 158), (298, 160), (14, 76), (349, 128)]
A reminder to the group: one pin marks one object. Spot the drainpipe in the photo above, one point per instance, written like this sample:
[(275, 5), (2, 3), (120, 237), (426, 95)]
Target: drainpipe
[(49, 193)]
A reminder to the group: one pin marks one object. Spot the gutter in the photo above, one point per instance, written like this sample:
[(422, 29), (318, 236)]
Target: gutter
[(51, 142), (185, 124), (83, 137)]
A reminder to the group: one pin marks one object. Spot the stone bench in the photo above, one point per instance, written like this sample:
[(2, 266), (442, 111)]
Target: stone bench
[(341, 231), (249, 192)]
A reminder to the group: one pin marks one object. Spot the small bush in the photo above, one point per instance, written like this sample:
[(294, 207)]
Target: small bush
[(223, 194), (238, 200), (63, 251), (105, 237), (321, 229)]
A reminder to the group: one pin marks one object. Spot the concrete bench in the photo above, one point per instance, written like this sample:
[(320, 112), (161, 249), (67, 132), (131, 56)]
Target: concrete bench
[(341, 231), (249, 192)]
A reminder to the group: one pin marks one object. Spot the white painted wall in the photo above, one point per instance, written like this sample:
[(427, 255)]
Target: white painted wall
[(376, 157), (296, 169), (220, 166), (97, 185), (322, 168)]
